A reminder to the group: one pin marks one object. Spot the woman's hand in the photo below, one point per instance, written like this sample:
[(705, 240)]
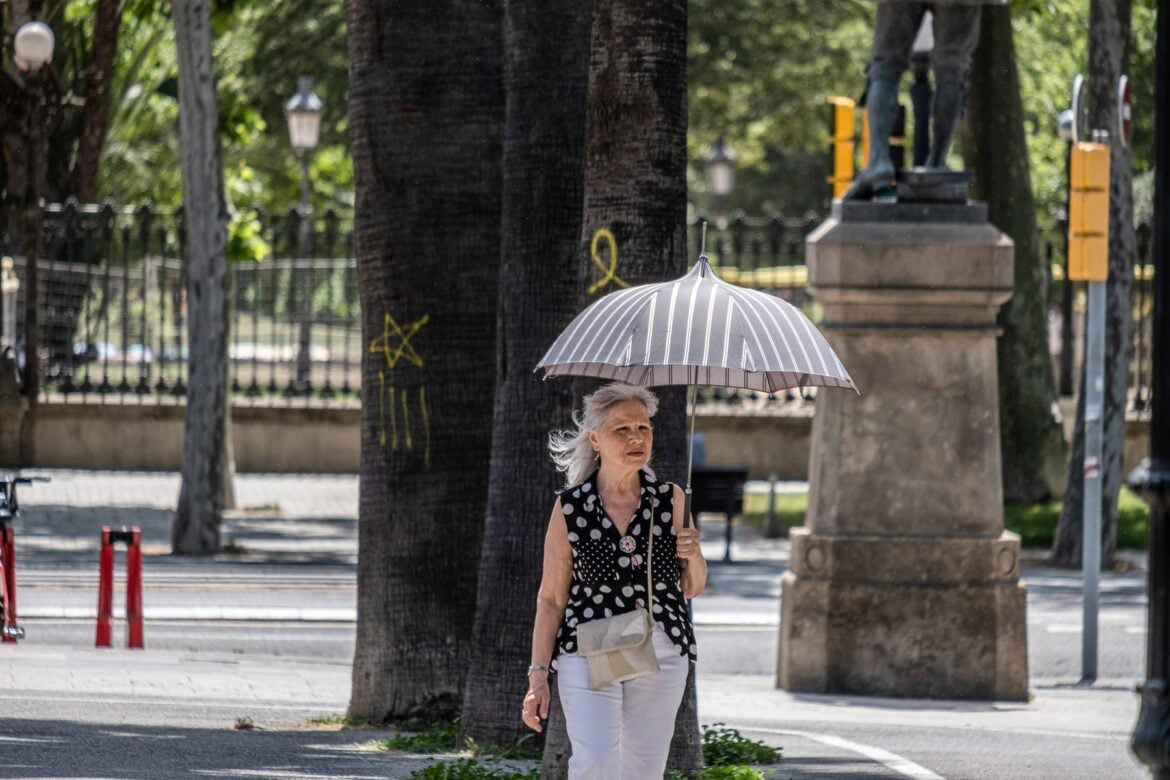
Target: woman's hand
[(688, 543), (536, 701)]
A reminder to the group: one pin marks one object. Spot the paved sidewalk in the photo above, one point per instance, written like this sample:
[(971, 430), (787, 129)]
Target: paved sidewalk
[(170, 711)]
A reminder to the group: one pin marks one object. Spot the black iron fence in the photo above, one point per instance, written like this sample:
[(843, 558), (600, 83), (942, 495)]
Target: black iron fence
[(113, 314), (113, 317)]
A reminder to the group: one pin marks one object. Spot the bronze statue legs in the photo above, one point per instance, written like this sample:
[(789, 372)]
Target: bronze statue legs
[(956, 32)]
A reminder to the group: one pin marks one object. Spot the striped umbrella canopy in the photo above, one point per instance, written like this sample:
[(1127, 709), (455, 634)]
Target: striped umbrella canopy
[(696, 330)]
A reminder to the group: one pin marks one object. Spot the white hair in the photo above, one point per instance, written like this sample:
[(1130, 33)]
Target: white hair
[(570, 449)]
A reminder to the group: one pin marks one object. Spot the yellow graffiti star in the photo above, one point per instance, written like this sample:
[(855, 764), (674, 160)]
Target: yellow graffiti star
[(394, 341)]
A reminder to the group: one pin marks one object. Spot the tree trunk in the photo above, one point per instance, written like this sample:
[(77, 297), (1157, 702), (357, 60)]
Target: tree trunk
[(635, 188), (426, 112), (1032, 441), (1109, 44), (200, 509), (83, 179), (545, 75)]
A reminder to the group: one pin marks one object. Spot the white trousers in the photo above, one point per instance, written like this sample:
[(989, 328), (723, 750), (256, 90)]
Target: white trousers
[(623, 731)]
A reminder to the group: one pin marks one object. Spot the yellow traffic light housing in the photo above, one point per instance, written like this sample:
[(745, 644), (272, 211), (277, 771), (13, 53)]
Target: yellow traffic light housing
[(841, 144), (1088, 219)]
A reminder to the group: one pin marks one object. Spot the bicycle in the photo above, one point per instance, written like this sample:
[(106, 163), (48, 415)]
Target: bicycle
[(9, 511)]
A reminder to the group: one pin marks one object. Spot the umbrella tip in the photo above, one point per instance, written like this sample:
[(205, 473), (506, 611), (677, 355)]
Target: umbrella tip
[(704, 263)]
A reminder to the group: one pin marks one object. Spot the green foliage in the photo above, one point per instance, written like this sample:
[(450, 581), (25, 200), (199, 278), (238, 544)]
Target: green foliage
[(1036, 523), (726, 747), (436, 738), (738, 772), (444, 738), (470, 769), (759, 72), (259, 50), (246, 238)]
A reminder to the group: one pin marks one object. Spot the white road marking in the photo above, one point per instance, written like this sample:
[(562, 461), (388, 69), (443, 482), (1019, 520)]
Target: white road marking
[(892, 761)]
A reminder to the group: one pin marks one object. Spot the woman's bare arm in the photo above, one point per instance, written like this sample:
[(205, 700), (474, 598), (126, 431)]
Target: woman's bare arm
[(550, 609)]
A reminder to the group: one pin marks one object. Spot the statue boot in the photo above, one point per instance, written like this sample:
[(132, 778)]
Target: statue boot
[(881, 107), (945, 112)]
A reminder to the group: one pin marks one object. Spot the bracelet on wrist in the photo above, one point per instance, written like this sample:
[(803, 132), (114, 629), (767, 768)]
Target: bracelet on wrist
[(537, 668)]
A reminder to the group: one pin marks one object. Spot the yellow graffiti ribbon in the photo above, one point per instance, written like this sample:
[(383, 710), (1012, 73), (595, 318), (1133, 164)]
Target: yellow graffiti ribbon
[(610, 271)]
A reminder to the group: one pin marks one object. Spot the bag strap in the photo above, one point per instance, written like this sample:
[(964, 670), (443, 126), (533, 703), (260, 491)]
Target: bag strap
[(650, 562)]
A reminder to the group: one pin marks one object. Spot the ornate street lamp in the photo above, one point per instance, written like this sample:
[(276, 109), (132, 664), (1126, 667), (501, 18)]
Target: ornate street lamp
[(33, 46), (303, 111), (720, 161), (31, 93)]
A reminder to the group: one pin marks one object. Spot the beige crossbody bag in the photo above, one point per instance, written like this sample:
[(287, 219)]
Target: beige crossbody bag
[(620, 648)]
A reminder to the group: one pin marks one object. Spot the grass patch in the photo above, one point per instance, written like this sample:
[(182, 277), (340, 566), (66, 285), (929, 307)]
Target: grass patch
[(435, 738), (1035, 523), (790, 509), (444, 738), (337, 719)]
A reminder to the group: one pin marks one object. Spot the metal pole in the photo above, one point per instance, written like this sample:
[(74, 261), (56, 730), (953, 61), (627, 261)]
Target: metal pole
[(1068, 288), (35, 141), (1091, 511), (303, 383), (1151, 736)]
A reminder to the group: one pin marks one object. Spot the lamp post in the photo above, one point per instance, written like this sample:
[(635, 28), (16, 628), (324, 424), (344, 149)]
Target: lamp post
[(1151, 736), (1064, 126), (720, 161), (303, 112), (29, 104)]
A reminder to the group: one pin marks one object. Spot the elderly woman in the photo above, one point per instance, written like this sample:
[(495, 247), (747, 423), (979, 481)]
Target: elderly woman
[(595, 563)]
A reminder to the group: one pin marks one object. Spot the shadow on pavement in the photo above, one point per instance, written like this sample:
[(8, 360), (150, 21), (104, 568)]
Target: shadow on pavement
[(51, 534), (42, 748)]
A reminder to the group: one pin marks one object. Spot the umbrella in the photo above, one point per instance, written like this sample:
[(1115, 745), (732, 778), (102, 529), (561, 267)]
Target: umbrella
[(696, 330)]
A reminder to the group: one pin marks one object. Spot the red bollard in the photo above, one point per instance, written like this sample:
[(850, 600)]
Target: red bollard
[(8, 581), (105, 619)]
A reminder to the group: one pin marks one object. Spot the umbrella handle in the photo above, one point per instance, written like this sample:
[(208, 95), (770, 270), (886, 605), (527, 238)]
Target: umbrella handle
[(687, 508)]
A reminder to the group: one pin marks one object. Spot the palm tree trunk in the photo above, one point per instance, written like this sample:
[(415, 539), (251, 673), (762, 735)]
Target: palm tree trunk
[(425, 116), (1109, 45), (635, 188), (1032, 442), (545, 71), (205, 444), (83, 183)]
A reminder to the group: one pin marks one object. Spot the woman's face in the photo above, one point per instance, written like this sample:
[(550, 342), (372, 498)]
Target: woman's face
[(625, 437)]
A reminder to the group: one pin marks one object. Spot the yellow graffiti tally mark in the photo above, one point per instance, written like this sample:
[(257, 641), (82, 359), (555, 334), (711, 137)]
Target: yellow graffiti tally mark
[(610, 269), (394, 341)]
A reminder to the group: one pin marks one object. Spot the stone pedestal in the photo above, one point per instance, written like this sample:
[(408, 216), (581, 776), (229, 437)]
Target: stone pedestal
[(904, 582)]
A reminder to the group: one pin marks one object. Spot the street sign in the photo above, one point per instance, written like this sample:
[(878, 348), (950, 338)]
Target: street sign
[(1080, 109), (1124, 110)]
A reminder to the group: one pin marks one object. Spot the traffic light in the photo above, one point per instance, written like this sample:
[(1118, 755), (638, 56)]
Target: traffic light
[(1088, 207), (841, 144)]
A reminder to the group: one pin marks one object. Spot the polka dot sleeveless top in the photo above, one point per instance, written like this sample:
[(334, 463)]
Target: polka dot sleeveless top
[(609, 570)]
